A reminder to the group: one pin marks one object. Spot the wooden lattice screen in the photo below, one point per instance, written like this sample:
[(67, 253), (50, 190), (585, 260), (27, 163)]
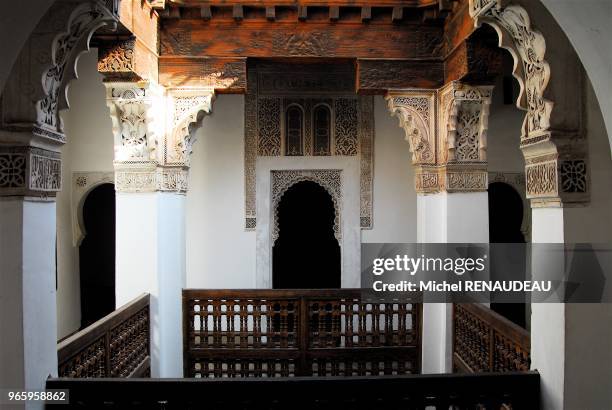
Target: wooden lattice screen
[(118, 345), (485, 341), (283, 333)]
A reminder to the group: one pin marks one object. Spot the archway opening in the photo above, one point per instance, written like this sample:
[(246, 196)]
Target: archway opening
[(306, 254), (505, 222), (97, 255)]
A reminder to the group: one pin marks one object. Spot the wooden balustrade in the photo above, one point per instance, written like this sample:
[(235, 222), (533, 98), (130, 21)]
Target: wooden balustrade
[(285, 333), (484, 341), (428, 391), (118, 345)]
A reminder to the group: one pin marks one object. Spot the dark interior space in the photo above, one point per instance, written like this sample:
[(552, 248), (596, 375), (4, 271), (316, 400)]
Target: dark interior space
[(505, 220), (97, 255), (306, 254)]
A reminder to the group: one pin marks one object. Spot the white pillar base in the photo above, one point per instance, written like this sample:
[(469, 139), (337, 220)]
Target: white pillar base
[(151, 258), (461, 217), (28, 321)]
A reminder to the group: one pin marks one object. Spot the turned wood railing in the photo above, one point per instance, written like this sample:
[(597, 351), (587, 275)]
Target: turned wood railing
[(484, 341), (118, 345), (428, 391), (284, 333)]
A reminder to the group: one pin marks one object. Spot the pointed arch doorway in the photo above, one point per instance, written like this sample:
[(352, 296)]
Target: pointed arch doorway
[(306, 254)]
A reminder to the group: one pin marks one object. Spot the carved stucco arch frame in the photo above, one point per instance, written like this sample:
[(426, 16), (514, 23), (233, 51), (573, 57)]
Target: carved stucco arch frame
[(83, 183), (528, 48), (330, 180), (55, 66)]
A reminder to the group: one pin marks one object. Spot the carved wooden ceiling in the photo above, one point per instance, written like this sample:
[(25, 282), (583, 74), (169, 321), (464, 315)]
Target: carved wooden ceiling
[(392, 43)]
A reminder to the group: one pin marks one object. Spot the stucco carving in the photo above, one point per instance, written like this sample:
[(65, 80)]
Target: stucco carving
[(528, 47), (190, 105), (29, 171), (351, 128), (153, 130), (36, 90), (328, 179), (548, 167), (447, 132), (82, 184), (415, 110), (133, 118)]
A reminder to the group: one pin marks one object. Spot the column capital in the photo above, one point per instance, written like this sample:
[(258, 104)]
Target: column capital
[(153, 130), (29, 171), (447, 132)]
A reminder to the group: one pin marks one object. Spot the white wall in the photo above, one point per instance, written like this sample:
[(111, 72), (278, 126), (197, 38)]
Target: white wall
[(220, 253), (89, 148), (394, 199), (504, 135)]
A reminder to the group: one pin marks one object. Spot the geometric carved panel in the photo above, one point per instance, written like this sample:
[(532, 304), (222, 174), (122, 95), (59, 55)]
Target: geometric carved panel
[(351, 129)]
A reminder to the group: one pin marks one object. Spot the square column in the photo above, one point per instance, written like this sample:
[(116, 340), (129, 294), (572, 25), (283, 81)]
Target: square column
[(447, 132), (152, 130), (150, 257), (28, 317)]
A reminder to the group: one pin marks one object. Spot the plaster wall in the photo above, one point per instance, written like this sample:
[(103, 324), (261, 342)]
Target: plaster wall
[(220, 253), (89, 148)]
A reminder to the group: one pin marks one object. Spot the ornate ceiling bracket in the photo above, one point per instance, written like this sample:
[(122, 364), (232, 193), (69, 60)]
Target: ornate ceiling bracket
[(416, 111), (556, 161), (447, 132), (47, 64), (188, 107)]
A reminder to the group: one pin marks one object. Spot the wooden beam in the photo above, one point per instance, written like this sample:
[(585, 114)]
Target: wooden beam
[(225, 75), (297, 39), (126, 60), (378, 76), (477, 59), (458, 27), (334, 13)]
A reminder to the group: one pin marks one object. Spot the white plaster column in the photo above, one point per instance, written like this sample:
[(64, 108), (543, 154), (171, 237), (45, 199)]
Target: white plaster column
[(447, 132), (150, 257), (27, 294), (31, 176), (153, 142)]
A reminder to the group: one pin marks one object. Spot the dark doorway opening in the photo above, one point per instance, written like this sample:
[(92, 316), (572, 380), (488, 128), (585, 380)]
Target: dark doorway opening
[(97, 255), (505, 222), (306, 254)]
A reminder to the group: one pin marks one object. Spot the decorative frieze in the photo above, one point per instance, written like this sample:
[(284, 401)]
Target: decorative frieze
[(29, 171), (351, 125), (116, 59), (151, 178)]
